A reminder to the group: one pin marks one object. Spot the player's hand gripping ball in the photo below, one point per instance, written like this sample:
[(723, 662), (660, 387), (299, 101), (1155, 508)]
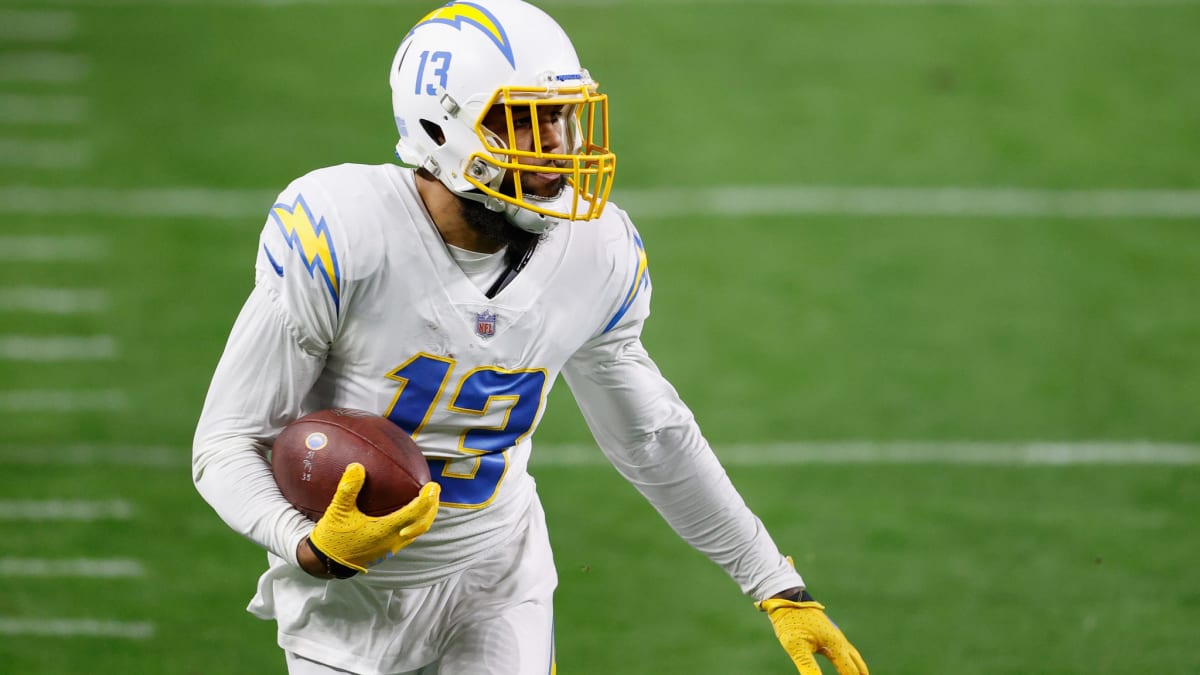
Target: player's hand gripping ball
[(311, 455)]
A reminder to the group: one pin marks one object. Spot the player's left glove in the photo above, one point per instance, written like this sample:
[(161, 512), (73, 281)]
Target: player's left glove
[(355, 540), (804, 630)]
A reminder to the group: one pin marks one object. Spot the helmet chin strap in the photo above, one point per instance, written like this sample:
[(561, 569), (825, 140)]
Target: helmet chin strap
[(530, 221), (539, 223)]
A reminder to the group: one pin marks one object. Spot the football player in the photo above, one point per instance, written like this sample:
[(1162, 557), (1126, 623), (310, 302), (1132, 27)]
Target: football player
[(447, 294)]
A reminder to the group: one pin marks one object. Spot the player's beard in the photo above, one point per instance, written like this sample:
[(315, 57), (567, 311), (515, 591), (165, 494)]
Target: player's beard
[(495, 228), (494, 225)]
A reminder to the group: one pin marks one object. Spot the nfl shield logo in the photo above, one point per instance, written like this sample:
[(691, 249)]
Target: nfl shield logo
[(485, 324)]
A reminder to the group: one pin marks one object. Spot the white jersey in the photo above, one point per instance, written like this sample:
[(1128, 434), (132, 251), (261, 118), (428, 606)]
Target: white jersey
[(359, 304)]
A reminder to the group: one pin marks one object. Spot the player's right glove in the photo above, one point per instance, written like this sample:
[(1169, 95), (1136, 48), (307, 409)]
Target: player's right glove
[(803, 629), (355, 540)]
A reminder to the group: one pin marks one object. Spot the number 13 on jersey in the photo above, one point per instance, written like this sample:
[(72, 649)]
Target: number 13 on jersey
[(423, 381)]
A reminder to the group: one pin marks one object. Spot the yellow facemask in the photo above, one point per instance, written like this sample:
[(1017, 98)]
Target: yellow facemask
[(585, 160)]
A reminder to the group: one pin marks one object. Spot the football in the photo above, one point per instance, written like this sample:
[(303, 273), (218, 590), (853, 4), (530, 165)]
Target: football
[(310, 455)]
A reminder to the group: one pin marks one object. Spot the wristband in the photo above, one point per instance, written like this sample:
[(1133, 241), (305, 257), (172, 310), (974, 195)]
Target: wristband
[(332, 567), (799, 596)]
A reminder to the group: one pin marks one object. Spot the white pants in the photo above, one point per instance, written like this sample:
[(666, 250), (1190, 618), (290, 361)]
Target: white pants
[(494, 618)]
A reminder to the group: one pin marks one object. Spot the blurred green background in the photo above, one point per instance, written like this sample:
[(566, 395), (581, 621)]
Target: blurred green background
[(935, 335)]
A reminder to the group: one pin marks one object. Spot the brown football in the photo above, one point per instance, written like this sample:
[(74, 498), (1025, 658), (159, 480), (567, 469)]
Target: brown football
[(309, 456)]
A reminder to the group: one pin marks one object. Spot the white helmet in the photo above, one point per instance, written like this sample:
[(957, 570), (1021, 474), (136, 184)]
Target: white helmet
[(466, 57)]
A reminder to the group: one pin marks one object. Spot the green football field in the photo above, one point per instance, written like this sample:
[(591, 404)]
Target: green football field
[(928, 273)]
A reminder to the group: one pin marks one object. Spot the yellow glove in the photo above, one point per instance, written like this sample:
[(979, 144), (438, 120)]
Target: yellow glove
[(348, 537), (803, 629)]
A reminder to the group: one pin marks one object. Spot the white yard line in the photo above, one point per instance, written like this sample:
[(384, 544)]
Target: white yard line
[(415, 5), (783, 453), (89, 568), (153, 203), (49, 248), (782, 200), (549, 4), (96, 455), (601, 4), (59, 301), (131, 630), (921, 201), (22, 153), (44, 348), (42, 109), (62, 401), (1015, 453), (65, 509), (44, 66), (21, 25)]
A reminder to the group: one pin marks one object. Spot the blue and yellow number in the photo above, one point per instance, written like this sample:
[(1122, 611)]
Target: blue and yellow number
[(422, 380), (481, 387), (441, 72)]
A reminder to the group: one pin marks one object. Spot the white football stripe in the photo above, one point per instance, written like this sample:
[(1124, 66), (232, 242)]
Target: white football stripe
[(37, 25), (155, 203), (48, 67), (43, 109), (916, 452), (94, 568), (783, 453), (94, 455), (132, 630), (782, 200), (62, 400), (830, 3), (49, 248), (36, 300), (57, 348), (65, 509), (936, 201), (44, 154), (605, 4)]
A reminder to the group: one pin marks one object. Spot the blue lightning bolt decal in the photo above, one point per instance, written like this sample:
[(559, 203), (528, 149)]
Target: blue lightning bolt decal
[(641, 278), (274, 263), (456, 14), (312, 241)]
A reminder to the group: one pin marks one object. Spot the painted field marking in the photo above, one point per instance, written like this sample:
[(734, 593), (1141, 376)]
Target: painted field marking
[(800, 200), (1032, 453), (88, 568), (57, 348), (48, 248), (42, 109), (21, 153), (601, 4), (1015, 453), (606, 4), (781, 200), (849, 3), (62, 400), (44, 67), (130, 630), (19, 25), (60, 301), (65, 509), (154, 203), (97, 455)]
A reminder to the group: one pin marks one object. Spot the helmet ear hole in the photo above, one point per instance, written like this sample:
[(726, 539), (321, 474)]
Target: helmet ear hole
[(434, 131)]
